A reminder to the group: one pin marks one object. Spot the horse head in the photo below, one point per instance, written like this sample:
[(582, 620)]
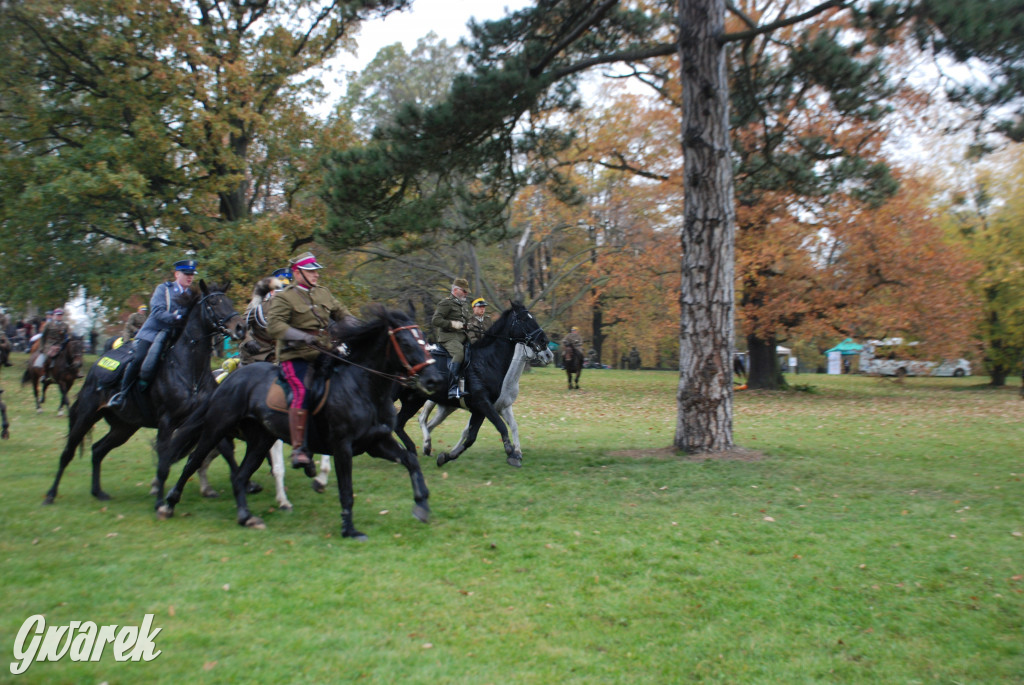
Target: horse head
[(524, 328), (405, 360), (217, 311)]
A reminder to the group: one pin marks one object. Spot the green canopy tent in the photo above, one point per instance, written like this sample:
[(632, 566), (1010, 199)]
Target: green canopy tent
[(843, 349)]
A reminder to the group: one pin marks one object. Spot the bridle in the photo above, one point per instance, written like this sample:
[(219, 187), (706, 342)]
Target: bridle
[(411, 376), (219, 324), (411, 372), (530, 339)]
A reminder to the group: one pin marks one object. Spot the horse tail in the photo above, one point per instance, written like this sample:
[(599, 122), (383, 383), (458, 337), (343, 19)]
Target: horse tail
[(26, 377)]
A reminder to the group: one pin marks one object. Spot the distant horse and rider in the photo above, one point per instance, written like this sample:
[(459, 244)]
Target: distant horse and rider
[(59, 365)]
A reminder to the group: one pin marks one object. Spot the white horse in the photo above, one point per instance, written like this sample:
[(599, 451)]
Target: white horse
[(522, 356)]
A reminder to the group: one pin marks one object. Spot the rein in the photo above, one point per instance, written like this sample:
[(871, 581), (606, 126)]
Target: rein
[(208, 313), (410, 371)]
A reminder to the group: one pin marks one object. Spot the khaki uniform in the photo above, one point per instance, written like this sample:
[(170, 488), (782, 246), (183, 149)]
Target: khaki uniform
[(310, 311), (448, 310), (133, 325), (476, 328), (54, 333)]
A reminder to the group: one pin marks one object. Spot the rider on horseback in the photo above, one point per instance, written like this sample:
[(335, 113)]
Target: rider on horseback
[(478, 324), (134, 323), (259, 345), (298, 317), (572, 344), (55, 334), (165, 315), (449, 320)]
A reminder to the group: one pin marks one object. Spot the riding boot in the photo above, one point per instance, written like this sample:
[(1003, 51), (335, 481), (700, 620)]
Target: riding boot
[(453, 380), (297, 427), (131, 371)]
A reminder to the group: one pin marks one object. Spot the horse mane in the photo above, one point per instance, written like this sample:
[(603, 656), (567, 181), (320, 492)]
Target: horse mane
[(376, 317), (499, 325)]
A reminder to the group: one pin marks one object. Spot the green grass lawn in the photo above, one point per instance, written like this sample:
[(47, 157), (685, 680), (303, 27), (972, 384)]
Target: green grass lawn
[(870, 533)]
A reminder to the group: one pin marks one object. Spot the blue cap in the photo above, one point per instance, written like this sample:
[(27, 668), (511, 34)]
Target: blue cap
[(186, 266), (283, 273)]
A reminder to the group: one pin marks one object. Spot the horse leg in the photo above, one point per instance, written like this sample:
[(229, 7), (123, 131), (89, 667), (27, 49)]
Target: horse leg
[(513, 428), (476, 419), (320, 482), (424, 419), (81, 422), (205, 489), (410, 405), (568, 376), (388, 449), (442, 414), (118, 435), (199, 455), (343, 467), (277, 468), (255, 452)]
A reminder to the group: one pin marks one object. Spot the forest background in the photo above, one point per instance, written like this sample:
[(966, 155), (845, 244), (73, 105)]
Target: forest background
[(876, 171)]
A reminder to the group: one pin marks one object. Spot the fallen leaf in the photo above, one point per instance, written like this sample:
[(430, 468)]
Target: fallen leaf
[(208, 666), (170, 610), (227, 587), (769, 519)]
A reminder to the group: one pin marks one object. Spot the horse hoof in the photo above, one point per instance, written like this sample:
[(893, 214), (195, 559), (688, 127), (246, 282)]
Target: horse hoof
[(426, 450), (48, 500), (209, 493), (421, 513), (444, 458), (317, 486), (514, 461), (164, 512), (287, 506), (355, 535), (309, 469), (255, 522), (102, 496), (154, 491), (252, 488)]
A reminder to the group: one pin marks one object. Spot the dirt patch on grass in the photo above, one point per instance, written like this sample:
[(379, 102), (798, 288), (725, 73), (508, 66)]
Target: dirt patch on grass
[(735, 454)]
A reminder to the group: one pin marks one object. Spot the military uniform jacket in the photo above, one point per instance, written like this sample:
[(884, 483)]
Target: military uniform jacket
[(133, 325), (54, 333), (451, 309), (310, 311), (164, 311), (476, 328)]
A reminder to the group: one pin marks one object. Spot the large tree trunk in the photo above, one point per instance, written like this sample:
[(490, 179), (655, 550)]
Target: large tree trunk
[(762, 364), (704, 397)]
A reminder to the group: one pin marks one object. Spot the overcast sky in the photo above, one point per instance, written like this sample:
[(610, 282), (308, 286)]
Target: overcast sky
[(446, 18)]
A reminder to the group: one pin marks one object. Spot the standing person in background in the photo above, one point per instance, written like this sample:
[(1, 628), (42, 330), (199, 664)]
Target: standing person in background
[(297, 319), (449, 321)]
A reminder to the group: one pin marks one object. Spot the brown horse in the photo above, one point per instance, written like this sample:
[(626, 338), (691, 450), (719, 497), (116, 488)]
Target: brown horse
[(572, 362), (62, 370)]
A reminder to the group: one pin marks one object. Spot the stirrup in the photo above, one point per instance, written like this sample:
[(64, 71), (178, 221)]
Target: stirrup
[(116, 400), (300, 459)]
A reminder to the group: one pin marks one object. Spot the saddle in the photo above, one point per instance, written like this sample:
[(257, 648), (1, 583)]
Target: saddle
[(279, 395)]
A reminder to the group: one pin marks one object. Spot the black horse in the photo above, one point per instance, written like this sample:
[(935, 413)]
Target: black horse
[(572, 362), (357, 413), (489, 360), (182, 381), (62, 371)]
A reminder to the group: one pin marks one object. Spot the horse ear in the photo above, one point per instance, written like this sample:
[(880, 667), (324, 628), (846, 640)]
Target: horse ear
[(227, 286), (202, 287)]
